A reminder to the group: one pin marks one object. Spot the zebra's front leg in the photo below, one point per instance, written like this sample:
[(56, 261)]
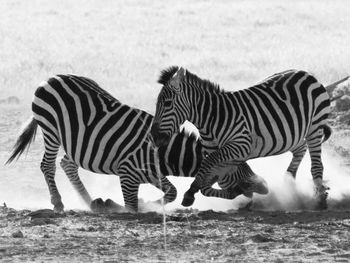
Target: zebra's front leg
[(130, 189), (167, 188), (314, 144), (71, 170), (48, 167), (224, 160)]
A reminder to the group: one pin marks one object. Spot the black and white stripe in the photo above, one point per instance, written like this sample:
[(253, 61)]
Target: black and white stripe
[(286, 112), (102, 135), (97, 133)]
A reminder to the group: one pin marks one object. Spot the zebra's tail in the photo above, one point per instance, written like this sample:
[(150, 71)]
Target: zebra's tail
[(335, 84), (24, 140), (330, 88), (327, 131)]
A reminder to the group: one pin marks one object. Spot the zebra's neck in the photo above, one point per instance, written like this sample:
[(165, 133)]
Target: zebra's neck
[(210, 112)]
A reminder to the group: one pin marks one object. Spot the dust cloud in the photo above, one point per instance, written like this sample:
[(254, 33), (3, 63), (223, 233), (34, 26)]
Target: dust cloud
[(285, 193), (23, 187)]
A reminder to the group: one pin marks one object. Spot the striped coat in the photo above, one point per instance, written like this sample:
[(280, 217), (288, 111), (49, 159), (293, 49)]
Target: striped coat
[(286, 112), (102, 135)]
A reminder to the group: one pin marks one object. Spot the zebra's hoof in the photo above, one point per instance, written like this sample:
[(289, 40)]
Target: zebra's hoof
[(248, 194), (321, 197), (59, 208), (322, 203), (113, 207), (98, 206), (247, 207), (188, 199)]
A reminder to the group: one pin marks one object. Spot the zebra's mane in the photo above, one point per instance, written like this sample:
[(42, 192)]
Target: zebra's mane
[(190, 135), (167, 74), (207, 85)]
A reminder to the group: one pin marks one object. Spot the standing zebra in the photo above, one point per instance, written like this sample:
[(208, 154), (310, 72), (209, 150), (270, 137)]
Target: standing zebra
[(285, 112), (98, 133)]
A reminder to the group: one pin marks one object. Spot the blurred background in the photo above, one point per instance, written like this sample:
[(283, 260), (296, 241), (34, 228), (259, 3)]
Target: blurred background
[(123, 46)]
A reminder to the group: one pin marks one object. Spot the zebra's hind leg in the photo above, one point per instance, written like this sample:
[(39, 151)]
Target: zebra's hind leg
[(314, 142), (48, 167), (247, 187), (298, 155), (168, 189), (71, 170), (248, 181)]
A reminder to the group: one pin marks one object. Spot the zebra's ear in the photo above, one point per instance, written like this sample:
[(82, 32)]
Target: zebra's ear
[(177, 79)]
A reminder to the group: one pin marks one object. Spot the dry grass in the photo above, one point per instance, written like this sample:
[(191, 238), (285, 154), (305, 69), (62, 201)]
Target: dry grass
[(124, 44)]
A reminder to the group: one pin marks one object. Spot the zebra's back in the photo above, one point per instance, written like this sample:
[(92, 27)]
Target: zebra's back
[(96, 130), (283, 110)]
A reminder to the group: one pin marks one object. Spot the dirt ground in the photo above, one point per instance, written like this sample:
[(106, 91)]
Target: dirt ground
[(191, 235)]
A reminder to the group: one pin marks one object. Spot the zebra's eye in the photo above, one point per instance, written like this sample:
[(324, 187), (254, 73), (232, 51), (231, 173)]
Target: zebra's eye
[(168, 103)]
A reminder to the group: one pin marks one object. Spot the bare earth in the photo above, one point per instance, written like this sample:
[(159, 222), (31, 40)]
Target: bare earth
[(249, 236), (191, 235)]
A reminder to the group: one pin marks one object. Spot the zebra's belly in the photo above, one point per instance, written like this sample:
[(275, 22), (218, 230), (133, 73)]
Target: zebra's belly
[(102, 154), (269, 146), (93, 168), (97, 158), (96, 169), (223, 169)]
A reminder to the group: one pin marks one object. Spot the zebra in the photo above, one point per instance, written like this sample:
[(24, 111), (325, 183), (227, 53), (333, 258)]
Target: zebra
[(285, 112), (99, 134), (183, 156)]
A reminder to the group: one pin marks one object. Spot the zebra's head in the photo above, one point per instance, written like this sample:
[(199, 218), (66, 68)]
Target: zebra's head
[(173, 107)]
